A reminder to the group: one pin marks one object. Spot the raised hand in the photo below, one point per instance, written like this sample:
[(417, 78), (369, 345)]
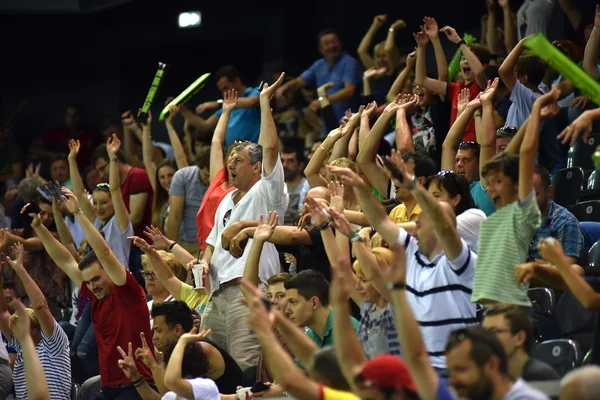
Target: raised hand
[(33, 171), (18, 253), (318, 215), (265, 229), (551, 251), (70, 200), (127, 364), (340, 222), (399, 175), (336, 189), (487, 96), (379, 20), (348, 177), (19, 322), (410, 104), (421, 38), (550, 97), (411, 60), (463, 99), (451, 34), (156, 236), (374, 72), (322, 90), (475, 104), (230, 99), (398, 24), (113, 145), (504, 4), (74, 147), (173, 111), (269, 91), (144, 353), (394, 105), (431, 27), (369, 111), (194, 336), (140, 243)]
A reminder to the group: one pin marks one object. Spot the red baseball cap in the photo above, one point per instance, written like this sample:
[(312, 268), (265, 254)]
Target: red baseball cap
[(387, 371)]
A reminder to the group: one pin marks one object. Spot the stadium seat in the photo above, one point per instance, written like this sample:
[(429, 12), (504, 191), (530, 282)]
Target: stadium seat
[(594, 255), (587, 211), (543, 299), (75, 391), (562, 354), (580, 154), (568, 185)]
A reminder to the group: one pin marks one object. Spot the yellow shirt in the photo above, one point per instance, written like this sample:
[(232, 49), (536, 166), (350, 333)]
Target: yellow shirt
[(399, 214), (194, 298), (332, 394)]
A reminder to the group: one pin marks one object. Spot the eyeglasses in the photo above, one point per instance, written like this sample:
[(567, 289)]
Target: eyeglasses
[(463, 58), (148, 275), (241, 141)]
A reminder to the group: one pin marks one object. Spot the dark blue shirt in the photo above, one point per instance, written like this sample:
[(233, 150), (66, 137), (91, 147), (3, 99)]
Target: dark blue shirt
[(561, 225), (244, 123), (346, 69)]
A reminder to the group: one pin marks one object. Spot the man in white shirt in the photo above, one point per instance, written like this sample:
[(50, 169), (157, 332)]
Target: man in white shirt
[(257, 174)]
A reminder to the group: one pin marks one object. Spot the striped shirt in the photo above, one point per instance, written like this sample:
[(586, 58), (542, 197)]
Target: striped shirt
[(439, 293), (54, 356), (503, 243), (377, 330)]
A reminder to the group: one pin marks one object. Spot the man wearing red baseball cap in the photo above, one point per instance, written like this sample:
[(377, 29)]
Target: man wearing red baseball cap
[(386, 377)]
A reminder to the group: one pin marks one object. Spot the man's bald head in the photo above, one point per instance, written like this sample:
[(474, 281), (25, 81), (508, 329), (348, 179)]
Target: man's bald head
[(581, 384), (319, 192)]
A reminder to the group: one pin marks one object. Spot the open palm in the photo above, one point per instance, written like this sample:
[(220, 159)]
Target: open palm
[(265, 229)]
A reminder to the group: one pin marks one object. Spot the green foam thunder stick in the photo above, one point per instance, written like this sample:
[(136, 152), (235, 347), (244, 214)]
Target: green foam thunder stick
[(596, 158), (186, 95), (454, 65), (539, 45), (152, 92)]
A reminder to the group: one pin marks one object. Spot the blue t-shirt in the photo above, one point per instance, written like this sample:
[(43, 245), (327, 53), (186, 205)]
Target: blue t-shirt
[(186, 182), (481, 198), (443, 393), (345, 70), (244, 123)]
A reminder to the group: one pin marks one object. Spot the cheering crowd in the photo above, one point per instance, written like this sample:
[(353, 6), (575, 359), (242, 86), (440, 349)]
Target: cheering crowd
[(363, 230)]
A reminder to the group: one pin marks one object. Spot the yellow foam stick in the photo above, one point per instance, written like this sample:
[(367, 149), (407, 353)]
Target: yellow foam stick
[(540, 46), (186, 95)]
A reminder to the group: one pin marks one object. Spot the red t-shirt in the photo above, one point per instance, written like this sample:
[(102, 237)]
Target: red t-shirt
[(118, 319), (205, 219), (137, 182), (58, 138), (453, 92)]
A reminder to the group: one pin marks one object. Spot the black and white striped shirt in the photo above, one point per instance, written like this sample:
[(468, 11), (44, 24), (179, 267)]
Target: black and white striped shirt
[(439, 293), (54, 356)]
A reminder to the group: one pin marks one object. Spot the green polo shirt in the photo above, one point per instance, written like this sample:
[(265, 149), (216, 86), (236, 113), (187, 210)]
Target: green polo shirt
[(327, 339)]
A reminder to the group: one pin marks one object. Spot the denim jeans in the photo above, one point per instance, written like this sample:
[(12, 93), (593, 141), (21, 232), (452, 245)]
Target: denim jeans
[(84, 349)]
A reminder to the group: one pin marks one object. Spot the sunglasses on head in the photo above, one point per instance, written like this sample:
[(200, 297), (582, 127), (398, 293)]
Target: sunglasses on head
[(103, 185)]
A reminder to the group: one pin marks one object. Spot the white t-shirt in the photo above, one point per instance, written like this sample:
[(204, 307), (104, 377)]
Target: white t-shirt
[(117, 240), (468, 224), (203, 389), (268, 194), (522, 391)]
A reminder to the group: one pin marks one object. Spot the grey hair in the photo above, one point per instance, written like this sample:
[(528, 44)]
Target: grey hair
[(255, 151), (28, 189), (587, 379)]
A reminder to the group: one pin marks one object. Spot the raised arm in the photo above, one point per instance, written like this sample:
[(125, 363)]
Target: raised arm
[(148, 150), (364, 49), (456, 133), (285, 372), (431, 29), (372, 208), (173, 378), (421, 79), (506, 70), (400, 81), (38, 301), (409, 333), (77, 182), (340, 149), (404, 140), (63, 231), (180, 154), (35, 379), (510, 29), (132, 133), (367, 156), (217, 163), (115, 271), (114, 182), (472, 59), (204, 126), (529, 147), (59, 254), (493, 41), (162, 243), (590, 56), (319, 158), (487, 137), (268, 131), (296, 339), (390, 42), (262, 234), (130, 369)]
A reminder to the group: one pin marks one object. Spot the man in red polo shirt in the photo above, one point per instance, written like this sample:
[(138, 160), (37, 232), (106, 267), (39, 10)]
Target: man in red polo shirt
[(119, 309)]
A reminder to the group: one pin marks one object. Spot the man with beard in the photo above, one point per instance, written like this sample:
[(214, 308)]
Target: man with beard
[(293, 165)]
